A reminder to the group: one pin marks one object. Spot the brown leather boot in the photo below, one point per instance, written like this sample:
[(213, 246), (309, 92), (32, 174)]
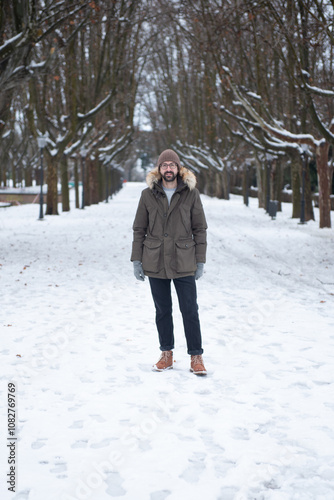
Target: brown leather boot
[(197, 365), (165, 362)]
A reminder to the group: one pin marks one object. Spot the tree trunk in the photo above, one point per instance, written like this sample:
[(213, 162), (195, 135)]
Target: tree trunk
[(324, 179), (93, 182), (273, 180), (266, 184), (87, 180), (76, 183), (3, 175), (295, 184), (259, 178), (101, 183), (278, 183), (28, 176), (13, 175), (309, 213), (226, 183), (201, 182), (52, 180), (64, 185), (245, 185)]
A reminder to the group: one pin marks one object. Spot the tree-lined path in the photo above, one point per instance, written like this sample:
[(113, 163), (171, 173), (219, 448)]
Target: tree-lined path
[(242, 90)]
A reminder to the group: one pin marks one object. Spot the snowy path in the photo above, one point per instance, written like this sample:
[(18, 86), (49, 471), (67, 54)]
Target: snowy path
[(78, 337)]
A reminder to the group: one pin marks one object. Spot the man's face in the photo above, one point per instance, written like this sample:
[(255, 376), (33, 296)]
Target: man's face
[(169, 171)]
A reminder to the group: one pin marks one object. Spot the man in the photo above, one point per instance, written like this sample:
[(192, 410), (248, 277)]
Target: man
[(169, 243)]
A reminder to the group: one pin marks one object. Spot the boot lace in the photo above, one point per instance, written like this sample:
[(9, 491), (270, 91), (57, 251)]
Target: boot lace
[(197, 359), (165, 355)]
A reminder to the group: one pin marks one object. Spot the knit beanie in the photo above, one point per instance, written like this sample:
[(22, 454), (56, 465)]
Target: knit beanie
[(168, 155)]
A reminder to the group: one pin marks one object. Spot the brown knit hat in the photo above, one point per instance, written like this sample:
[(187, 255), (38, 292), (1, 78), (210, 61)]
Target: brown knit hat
[(168, 155)]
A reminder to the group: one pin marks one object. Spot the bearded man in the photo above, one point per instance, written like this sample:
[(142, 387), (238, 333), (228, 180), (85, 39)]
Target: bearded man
[(169, 244)]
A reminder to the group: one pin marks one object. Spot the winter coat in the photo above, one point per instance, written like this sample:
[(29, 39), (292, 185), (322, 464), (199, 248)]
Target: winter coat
[(169, 240)]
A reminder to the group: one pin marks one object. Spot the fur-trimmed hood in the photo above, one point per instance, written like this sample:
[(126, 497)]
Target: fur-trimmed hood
[(185, 175)]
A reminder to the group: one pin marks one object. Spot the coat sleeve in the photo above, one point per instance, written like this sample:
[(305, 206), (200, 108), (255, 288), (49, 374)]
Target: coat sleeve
[(199, 227), (139, 227)]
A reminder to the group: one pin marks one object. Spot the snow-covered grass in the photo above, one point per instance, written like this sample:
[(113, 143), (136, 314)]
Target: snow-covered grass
[(23, 190), (78, 338)]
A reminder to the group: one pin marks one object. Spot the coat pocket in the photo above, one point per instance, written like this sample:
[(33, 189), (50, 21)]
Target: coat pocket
[(185, 256), (152, 256)]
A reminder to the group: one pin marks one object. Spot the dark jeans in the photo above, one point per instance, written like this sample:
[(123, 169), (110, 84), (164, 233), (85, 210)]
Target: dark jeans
[(187, 295)]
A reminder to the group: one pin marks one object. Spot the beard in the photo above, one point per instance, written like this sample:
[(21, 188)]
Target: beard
[(169, 176)]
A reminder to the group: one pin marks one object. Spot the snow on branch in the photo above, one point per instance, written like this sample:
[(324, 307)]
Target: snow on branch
[(94, 111), (199, 158), (9, 44), (277, 131), (240, 119), (77, 144), (246, 136), (254, 96), (321, 92), (117, 145), (279, 145), (54, 25), (33, 65)]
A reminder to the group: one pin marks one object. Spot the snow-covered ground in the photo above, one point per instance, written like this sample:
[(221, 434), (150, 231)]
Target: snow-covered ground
[(78, 338)]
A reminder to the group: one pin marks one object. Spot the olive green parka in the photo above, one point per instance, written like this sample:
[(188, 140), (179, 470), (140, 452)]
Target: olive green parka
[(169, 241)]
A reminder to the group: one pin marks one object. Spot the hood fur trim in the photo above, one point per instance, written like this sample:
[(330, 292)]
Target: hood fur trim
[(186, 176)]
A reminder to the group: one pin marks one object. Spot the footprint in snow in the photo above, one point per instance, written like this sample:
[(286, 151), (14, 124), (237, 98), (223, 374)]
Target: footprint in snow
[(80, 444), (160, 495), (240, 433), (228, 494), (101, 444), (77, 424), (59, 467), (195, 468), (114, 483), (38, 444)]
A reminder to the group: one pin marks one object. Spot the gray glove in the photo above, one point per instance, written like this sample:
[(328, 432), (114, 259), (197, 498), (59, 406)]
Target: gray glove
[(199, 271), (138, 270)]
